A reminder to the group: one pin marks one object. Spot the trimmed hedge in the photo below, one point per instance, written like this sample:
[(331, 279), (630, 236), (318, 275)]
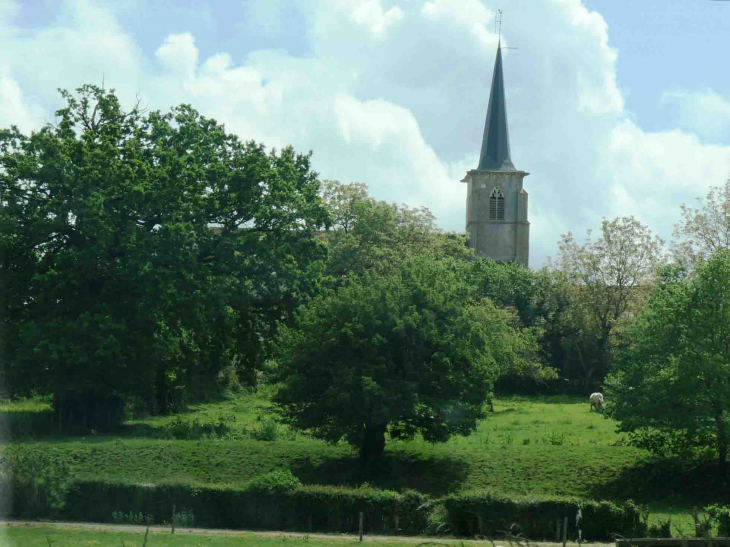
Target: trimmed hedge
[(536, 517), (249, 506)]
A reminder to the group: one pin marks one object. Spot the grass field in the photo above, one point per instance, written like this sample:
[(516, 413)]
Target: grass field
[(59, 537), (540, 445)]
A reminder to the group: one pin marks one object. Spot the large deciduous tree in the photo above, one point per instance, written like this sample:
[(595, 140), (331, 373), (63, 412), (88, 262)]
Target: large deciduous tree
[(704, 231), (606, 280), (408, 352), (372, 235), (671, 388), (113, 283)]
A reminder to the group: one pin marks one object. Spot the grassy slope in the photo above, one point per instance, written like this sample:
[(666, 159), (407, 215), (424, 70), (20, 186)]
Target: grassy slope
[(541, 445)]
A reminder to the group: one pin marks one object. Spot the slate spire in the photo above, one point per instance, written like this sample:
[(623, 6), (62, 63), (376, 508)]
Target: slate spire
[(495, 143)]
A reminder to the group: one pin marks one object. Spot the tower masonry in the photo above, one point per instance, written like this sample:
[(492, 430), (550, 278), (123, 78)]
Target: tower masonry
[(496, 202)]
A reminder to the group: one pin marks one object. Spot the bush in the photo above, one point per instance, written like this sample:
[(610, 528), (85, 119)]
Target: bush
[(269, 431), (275, 482), (34, 484), (661, 530), (720, 517), (536, 517), (183, 430), (283, 506)]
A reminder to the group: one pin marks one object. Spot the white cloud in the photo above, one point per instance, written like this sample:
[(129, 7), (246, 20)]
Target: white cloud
[(705, 112), (396, 96), (471, 15), (370, 14), (178, 55), (14, 110)]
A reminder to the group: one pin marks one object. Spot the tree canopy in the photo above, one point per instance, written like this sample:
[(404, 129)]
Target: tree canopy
[(413, 351), (604, 281), (704, 231), (372, 235), (114, 283), (671, 388)]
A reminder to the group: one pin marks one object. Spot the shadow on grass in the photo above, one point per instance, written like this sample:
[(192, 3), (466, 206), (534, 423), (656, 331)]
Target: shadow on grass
[(667, 481), (396, 471), (544, 399), (27, 425)]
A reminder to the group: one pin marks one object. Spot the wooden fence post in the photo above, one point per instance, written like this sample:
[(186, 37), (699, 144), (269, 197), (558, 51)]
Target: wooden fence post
[(565, 530), (361, 518), (173, 518), (309, 523), (557, 530), (396, 524)]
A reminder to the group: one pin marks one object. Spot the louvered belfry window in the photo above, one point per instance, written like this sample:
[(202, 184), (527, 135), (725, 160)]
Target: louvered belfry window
[(496, 205)]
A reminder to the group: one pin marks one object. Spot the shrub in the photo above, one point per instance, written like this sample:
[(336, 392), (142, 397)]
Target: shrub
[(663, 529), (184, 519), (251, 506), (554, 438), (269, 430), (195, 430), (536, 516), (37, 483), (720, 515), (275, 482)]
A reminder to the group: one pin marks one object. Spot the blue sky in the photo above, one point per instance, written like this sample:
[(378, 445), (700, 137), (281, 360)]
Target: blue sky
[(615, 107)]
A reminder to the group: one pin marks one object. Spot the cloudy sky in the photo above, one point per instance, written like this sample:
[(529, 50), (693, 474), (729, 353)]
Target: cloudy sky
[(615, 107)]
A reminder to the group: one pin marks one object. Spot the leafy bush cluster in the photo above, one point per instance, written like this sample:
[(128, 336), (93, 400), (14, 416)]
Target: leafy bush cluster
[(279, 501), (273, 501), (536, 517), (132, 518), (33, 484), (184, 430)]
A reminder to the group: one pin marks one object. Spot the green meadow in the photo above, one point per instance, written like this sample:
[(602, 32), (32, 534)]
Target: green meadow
[(540, 445)]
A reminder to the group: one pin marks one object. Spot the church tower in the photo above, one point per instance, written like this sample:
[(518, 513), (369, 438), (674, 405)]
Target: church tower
[(496, 203)]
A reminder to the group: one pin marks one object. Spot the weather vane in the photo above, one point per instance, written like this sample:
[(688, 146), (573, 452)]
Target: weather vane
[(499, 31)]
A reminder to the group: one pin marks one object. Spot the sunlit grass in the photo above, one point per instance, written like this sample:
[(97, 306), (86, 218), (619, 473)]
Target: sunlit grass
[(529, 445)]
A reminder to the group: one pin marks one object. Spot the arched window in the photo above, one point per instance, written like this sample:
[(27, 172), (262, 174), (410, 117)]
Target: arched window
[(496, 205)]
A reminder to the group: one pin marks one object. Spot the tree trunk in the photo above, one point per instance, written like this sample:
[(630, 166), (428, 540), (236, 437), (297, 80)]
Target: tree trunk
[(722, 440), (373, 442)]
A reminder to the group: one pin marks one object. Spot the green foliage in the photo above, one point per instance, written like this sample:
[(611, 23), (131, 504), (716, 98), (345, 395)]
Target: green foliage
[(268, 430), (535, 517), (662, 529), (372, 235), (194, 430), (34, 484), (703, 232), (671, 388), (720, 518), (131, 518), (275, 482), (404, 353), (604, 282), (251, 507), (114, 284), (184, 519)]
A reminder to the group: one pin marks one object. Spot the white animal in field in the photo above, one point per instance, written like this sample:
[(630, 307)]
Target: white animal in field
[(597, 402)]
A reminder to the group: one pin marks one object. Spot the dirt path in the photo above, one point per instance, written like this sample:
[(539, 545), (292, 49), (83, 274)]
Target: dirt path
[(241, 533)]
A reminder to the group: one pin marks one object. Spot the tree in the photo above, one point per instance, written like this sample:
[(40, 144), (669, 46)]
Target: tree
[(703, 232), (671, 388), (368, 234), (605, 280), (114, 283), (413, 351)]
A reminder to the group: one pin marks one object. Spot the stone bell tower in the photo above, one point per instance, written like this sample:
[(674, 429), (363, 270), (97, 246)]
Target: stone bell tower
[(496, 203)]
